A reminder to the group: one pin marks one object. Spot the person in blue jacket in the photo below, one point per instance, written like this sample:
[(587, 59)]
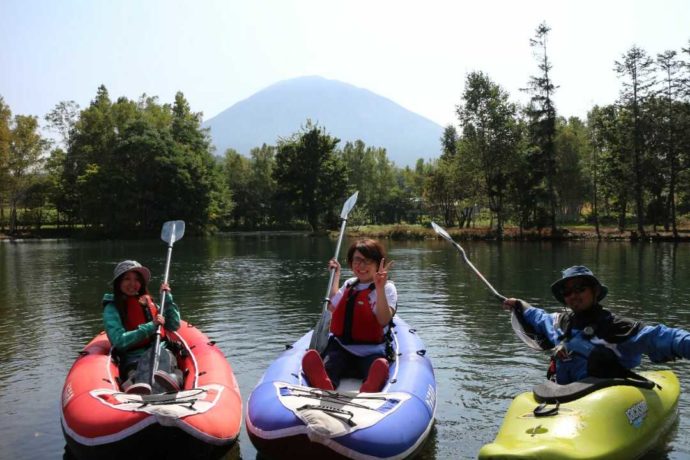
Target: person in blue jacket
[(589, 340)]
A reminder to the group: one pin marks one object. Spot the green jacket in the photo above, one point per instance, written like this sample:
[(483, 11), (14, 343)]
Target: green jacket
[(122, 339)]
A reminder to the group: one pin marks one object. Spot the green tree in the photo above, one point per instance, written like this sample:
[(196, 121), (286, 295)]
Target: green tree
[(5, 120), (237, 169), (252, 185), (371, 172), (62, 120), (131, 165), (449, 142), (310, 177), (489, 139), (55, 188), (91, 140), (542, 124), (572, 188), (25, 158), (360, 161), (195, 173), (385, 202), (441, 191), (613, 160), (262, 183), (670, 68), (636, 69)]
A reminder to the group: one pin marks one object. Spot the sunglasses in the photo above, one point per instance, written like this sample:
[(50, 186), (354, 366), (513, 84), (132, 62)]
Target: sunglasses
[(575, 289)]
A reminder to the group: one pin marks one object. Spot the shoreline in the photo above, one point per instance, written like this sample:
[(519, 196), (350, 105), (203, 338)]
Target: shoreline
[(416, 232)]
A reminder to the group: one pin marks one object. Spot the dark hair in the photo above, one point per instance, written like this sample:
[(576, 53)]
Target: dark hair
[(371, 249), (121, 298)]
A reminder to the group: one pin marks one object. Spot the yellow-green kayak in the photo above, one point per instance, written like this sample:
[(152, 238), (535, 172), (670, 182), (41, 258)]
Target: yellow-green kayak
[(600, 422)]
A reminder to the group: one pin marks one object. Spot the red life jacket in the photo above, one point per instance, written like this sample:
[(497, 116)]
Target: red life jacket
[(353, 320), (138, 314)]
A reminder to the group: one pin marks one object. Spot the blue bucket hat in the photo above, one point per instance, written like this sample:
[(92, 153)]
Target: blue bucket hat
[(577, 271)]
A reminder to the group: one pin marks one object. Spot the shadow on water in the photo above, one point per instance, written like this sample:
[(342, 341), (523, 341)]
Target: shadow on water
[(159, 450)]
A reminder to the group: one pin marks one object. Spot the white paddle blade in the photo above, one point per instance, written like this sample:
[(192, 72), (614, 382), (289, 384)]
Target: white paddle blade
[(441, 231), (349, 204), (319, 338), (172, 231), (522, 335)]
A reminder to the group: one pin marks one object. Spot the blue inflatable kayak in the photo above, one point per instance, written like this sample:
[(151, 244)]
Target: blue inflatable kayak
[(286, 416)]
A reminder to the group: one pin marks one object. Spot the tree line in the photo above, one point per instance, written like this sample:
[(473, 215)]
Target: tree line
[(121, 168)]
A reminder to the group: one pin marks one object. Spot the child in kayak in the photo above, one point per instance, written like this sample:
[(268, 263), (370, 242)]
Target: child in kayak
[(361, 312), (589, 340), (131, 320)]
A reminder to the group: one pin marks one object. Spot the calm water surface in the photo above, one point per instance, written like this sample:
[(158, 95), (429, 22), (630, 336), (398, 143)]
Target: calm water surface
[(254, 294)]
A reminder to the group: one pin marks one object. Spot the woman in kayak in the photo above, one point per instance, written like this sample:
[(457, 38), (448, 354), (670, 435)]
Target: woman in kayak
[(589, 340), (361, 312), (131, 320)]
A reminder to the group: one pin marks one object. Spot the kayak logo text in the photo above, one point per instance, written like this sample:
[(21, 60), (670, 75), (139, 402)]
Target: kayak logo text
[(637, 413)]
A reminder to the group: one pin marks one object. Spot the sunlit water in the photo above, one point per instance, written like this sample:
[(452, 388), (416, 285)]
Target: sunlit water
[(254, 294)]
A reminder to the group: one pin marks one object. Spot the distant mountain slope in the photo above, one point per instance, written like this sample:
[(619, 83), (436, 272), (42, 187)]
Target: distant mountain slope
[(345, 111)]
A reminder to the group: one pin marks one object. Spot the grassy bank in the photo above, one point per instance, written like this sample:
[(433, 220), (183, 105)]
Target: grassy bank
[(419, 232)]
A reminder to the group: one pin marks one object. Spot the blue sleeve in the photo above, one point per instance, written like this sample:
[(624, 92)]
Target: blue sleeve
[(661, 343), (120, 338), (542, 322)]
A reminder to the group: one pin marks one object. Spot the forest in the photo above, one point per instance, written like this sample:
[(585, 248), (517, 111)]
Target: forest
[(120, 168)]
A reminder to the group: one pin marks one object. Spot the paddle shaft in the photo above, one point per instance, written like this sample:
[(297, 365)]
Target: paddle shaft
[(157, 340), (319, 338), (446, 236), (514, 321), (481, 277), (327, 299)]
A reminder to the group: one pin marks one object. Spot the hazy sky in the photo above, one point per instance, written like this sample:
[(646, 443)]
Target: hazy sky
[(416, 53)]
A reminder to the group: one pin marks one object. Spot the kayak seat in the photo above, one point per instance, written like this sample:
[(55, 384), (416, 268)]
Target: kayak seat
[(551, 393)]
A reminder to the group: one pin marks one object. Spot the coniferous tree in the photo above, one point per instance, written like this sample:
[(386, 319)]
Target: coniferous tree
[(5, 120), (636, 68), (670, 68), (541, 113), (449, 142)]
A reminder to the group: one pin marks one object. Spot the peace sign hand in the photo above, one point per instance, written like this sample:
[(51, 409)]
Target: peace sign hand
[(382, 274)]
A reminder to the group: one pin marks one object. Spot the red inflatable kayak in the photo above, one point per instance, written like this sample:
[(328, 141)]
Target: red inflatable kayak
[(202, 420)]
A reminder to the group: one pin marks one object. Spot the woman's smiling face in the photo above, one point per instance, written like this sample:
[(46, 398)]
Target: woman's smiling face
[(130, 283), (363, 268)]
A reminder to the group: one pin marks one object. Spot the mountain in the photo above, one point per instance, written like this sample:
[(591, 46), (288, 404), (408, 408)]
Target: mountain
[(345, 111)]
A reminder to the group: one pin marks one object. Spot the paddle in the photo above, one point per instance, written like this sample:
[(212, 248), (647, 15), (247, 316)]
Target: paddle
[(319, 338), (173, 230), (447, 237), (514, 321)]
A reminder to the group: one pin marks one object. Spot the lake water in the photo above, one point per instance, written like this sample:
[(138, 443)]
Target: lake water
[(253, 294)]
